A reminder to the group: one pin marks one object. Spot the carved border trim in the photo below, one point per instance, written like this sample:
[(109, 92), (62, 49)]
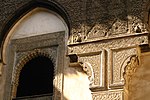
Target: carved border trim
[(47, 43)]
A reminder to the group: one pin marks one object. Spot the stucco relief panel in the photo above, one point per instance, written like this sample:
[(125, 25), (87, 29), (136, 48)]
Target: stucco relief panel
[(117, 58), (112, 43), (24, 57), (97, 62), (48, 45)]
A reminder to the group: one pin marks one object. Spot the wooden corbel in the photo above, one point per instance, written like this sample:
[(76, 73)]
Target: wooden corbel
[(87, 67)]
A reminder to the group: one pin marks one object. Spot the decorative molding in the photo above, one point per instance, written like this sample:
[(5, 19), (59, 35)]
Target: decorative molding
[(136, 25), (23, 50), (112, 43), (23, 61), (108, 95), (97, 31), (95, 62), (87, 68)]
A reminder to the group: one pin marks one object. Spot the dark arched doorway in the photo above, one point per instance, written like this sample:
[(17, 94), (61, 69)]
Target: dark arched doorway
[(36, 78)]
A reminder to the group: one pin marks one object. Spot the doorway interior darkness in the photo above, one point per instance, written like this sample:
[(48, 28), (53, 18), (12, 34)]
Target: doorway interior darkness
[(36, 77)]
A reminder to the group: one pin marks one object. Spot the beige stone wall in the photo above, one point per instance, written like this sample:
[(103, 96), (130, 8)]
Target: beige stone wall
[(103, 33)]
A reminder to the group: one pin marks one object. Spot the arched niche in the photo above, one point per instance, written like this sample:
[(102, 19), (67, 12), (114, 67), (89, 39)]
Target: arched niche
[(38, 21), (35, 78), (41, 30)]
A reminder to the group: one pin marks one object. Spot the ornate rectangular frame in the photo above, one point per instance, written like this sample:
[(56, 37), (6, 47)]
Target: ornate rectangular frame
[(20, 51)]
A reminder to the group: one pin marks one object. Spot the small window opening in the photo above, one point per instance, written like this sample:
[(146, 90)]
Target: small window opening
[(36, 78)]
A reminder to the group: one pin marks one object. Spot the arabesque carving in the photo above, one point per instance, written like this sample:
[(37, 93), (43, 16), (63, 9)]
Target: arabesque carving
[(98, 31), (95, 62), (23, 50), (108, 95), (20, 65), (118, 59), (113, 43), (130, 70), (136, 25)]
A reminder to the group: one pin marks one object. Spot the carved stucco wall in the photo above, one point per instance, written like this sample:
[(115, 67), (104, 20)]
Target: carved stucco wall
[(90, 17), (109, 58), (20, 52), (105, 34)]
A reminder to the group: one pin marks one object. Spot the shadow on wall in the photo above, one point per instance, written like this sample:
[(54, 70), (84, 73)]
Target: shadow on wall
[(40, 97), (138, 84), (76, 87), (76, 84)]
